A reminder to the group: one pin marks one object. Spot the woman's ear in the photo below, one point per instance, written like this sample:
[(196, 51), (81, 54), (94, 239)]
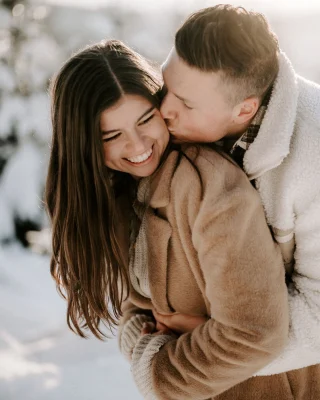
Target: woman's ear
[(246, 110)]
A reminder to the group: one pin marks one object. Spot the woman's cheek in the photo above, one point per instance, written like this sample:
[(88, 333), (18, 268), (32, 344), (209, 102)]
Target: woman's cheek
[(107, 155)]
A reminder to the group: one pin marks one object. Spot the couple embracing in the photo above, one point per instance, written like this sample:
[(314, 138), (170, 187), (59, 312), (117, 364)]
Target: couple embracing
[(186, 208)]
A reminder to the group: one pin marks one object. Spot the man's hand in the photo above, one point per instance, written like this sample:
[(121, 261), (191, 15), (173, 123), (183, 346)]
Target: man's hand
[(179, 323), (156, 329)]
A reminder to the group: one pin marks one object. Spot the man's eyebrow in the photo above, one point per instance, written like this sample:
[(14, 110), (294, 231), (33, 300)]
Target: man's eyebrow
[(182, 98), (143, 115), (164, 89)]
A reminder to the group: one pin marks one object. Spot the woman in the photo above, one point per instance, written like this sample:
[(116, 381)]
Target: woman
[(178, 230)]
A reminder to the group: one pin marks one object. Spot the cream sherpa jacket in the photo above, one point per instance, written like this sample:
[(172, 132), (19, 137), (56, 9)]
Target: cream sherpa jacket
[(285, 161)]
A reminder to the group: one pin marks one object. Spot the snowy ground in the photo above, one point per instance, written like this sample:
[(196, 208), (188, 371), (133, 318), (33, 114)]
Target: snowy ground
[(39, 358)]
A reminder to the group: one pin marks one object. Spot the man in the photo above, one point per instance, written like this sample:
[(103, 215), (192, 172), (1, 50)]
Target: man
[(228, 81)]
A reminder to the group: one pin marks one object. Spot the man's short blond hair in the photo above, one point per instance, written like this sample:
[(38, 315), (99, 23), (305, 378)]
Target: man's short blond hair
[(237, 43)]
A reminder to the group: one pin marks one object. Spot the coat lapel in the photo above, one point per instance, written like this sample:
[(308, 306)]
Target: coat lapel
[(160, 231), (160, 183)]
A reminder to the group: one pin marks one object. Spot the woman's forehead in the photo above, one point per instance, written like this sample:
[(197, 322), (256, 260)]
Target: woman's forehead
[(129, 108)]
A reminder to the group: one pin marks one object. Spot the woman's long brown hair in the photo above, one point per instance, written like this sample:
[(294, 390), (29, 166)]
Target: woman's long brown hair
[(87, 262)]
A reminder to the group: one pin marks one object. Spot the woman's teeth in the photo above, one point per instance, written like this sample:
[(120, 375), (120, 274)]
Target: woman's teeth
[(141, 157)]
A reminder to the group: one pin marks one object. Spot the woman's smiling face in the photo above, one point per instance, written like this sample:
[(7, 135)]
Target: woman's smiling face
[(134, 136)]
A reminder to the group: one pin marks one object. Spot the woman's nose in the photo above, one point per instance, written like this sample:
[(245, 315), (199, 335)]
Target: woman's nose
[(136, 143)]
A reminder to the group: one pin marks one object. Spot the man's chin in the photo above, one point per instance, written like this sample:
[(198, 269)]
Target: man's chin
[(177, 140)]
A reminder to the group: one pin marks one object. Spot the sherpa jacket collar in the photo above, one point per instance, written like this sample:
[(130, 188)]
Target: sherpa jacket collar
[(272, 144)]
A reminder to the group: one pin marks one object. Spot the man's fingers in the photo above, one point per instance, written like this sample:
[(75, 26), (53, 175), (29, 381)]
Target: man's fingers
[(148, 327), (163, 319), (180, 323), (160, 326)]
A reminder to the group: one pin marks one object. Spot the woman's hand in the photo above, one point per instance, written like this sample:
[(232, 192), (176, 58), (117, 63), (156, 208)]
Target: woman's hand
[(179, 323)]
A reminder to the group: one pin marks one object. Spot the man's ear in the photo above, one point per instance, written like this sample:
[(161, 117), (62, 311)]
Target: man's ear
[(245, 111)]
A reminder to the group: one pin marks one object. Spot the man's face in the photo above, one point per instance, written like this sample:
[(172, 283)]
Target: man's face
[(195, 106)]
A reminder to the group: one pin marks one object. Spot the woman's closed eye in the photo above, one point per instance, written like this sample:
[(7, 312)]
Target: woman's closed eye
[(109, 138), (145, 121), (189, 108), (116, 135)]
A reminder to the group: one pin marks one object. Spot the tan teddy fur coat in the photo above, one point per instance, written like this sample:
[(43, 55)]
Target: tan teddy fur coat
[(210, 253)]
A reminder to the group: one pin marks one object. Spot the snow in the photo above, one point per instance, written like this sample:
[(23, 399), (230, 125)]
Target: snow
[(6, 218), (40, 359), (30, 114), (11, 112), (19, 186), (37, 59), (37, 117), (64, 24), (5, 18), (7, 81)]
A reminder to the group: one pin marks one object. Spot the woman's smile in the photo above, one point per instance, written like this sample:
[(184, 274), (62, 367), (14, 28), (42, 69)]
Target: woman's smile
[(141, 159)]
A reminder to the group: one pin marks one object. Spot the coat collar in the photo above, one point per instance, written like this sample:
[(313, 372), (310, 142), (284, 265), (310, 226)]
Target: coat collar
[(272, 144), (160, 182)]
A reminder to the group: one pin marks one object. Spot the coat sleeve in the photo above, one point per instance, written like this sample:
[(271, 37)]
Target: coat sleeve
[(245, 286), (303, 348)]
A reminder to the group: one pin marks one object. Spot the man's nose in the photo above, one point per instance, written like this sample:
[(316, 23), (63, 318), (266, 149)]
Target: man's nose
[(167, 109)]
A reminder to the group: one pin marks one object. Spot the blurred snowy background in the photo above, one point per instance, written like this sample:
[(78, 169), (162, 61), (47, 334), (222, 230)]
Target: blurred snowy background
[(39, 357)]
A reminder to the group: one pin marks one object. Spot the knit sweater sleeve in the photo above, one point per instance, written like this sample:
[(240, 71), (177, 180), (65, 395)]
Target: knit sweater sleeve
[(130, 326), (245, 286), (131, 333), (303, 348)]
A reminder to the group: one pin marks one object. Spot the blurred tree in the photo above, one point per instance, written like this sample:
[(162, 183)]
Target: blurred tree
[(9, 3), (34, 41), (26, 55)]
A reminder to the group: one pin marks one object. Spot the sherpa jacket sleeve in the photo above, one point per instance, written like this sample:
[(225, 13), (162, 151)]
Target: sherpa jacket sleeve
[(245, 286), (303, 348)]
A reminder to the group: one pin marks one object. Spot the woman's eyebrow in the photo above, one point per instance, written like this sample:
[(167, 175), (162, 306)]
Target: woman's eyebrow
[(143, 115), (111, 131), (146, 113)]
